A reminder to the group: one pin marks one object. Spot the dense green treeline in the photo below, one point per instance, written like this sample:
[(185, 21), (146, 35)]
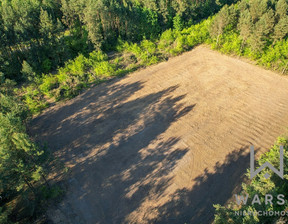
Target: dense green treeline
[(231, 31), (83, 71), (32, 38), (38, 36), (23, 164), (51, 32), (255, 29), (132, 20)]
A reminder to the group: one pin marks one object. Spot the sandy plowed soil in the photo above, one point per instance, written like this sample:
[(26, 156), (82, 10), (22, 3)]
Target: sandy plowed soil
[(162, 145)]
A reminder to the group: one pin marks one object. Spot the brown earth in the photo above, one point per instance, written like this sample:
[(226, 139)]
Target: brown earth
[(162, 145)]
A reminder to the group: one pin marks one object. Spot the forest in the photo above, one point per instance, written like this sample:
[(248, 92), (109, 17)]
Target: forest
[(51, 50)]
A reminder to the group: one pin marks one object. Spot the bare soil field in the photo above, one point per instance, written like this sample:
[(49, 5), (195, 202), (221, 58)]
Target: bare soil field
[(163, 144)]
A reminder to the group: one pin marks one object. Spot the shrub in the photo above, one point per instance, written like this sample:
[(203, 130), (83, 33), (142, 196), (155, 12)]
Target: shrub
[(166, 39), (49, 82), (177, 22), (77, 67), (8, 104), (148, 46), (196, 34), (231, 43), (180, 45), (276, 56), (27, 71), (34, 99), (97, 56), (152, 60), (122, 46), (135, 49), (103, 68)]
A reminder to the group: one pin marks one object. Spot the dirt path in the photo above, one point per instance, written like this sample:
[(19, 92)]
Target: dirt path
[(164, 144)]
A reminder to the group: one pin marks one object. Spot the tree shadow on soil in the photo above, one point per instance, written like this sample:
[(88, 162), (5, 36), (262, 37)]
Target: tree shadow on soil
[(119, 157), (115, 146), (196, 205)]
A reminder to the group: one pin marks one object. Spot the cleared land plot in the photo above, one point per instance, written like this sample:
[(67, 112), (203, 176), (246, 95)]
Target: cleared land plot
[(162, 145)]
